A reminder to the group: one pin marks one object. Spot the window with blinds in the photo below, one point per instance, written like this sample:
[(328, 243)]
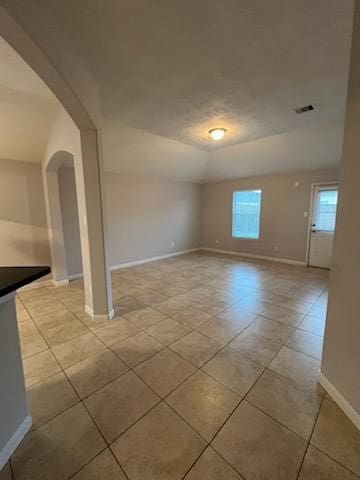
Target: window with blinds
[(326, 210), (246, 214)]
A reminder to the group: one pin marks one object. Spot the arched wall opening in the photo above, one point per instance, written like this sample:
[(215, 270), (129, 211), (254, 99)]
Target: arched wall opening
[(63, 217), (97, 280), (70, 220)]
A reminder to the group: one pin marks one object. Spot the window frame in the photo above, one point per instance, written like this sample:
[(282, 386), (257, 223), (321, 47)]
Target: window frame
[(236, 190), (316, 206)]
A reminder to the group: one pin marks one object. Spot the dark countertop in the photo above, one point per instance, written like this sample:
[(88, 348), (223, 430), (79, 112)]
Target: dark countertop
[(12, 278)]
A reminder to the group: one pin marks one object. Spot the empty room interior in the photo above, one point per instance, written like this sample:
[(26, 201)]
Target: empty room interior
[(179, 240)]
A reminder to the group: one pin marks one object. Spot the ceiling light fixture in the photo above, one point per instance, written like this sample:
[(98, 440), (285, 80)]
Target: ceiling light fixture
[(217, 133)]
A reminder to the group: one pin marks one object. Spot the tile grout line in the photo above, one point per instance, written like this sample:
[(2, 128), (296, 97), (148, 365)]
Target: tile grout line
[(163, 399), (108, 347), (241, 398), (38, 330), (241, 401), (81, 400), (143, 361), (308, 444), (168, 347), (76, 392), (87, 411), (333, 459)]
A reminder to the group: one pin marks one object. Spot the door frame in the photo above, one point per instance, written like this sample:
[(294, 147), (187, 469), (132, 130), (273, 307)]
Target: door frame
[(310, 214)]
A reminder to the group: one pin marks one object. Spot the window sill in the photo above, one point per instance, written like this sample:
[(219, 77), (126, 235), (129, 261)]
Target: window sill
[(245, 238)]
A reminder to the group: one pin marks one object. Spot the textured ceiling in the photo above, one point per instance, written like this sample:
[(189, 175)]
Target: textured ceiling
[(168, 71), (311, 148), (178, 68), (129, 151)]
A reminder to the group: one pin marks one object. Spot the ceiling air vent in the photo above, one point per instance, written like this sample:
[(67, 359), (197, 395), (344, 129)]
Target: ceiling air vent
[(307, 108)]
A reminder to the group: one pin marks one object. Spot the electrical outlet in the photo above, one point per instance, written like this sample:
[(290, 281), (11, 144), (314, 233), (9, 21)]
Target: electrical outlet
[(216, 241), (276, 248), (173, 244)]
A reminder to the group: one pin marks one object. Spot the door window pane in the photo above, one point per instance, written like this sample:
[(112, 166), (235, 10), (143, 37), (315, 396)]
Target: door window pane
[(246, 214), (326, 210)]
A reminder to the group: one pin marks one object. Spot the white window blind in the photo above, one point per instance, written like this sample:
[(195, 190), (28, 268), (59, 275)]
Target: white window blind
[(326, 210), (246, 214)]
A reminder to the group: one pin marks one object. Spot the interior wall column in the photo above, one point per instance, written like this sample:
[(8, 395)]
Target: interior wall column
[(55, 226), (341, 355), (96, 271)]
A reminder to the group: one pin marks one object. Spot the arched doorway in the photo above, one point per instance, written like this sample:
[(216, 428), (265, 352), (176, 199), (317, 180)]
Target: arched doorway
[(63, 219), (96, 271)]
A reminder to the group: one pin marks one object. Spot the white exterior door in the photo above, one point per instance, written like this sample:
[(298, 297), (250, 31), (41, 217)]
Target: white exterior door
[(323, 225)]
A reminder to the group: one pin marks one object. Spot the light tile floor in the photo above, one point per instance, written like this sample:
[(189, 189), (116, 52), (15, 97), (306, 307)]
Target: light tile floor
[(208, 372)]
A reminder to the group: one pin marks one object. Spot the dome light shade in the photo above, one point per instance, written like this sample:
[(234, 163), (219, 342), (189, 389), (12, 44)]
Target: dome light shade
[(217, 133)]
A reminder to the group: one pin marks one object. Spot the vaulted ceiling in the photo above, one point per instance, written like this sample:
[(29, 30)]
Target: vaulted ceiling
[(175, 69), (27, 109)]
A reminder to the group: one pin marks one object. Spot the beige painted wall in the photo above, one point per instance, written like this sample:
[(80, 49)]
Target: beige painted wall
[(23, 239), (341, 355), (145, 216), (282, 214), (25, 122)]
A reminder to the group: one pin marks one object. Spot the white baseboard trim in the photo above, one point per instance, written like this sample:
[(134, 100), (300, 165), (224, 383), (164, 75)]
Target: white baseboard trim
[(47, 283), (345, 406), (102, 317), (44, 283), (138, 262), (14, 441), (31, 286), (75, 276), (60, 283), (151, 259), (251, 255), (51, 282)]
